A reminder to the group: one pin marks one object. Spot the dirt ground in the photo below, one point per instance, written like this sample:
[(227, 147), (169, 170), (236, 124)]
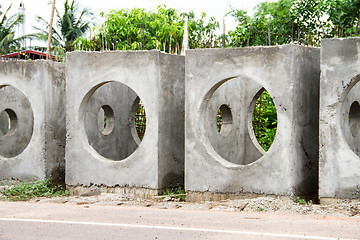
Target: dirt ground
[(272, 204)]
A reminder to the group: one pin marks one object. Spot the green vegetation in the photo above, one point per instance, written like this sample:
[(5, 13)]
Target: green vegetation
[(264, 120), (140, 120), (219, 120), (175, 193), (8, 26), (298, 21), (275, 22), (71, 24), (302, 201), (260, 209), (32, 189), (138, 29)]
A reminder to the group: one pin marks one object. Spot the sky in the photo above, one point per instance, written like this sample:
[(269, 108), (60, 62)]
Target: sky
[(216, 8)]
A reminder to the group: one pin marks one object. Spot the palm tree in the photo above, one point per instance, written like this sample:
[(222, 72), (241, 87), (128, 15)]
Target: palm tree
[(70, 25), (8, 25)]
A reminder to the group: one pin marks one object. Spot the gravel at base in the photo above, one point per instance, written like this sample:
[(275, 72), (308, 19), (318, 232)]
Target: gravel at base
[(280, 205)]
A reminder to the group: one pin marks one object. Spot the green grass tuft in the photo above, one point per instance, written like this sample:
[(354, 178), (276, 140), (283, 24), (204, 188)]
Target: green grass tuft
[(176, 193), (31, 189)]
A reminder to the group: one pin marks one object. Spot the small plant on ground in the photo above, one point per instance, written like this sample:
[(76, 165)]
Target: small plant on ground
[(175, 193), (302, 201), (32, 189), (260, 209)]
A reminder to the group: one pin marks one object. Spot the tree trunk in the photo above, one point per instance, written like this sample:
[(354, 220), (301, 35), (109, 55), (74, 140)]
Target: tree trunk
[(50, 30)]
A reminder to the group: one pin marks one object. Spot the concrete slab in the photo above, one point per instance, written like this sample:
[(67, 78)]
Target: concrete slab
[(32, 110), (340, 119), (114, 156), (234, 162)]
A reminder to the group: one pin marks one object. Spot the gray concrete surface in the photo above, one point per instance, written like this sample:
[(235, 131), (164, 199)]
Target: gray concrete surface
[(158, 80), (64, 221), (291, 74), (32, 104), (235, 94), (114, 141), (340, 119)]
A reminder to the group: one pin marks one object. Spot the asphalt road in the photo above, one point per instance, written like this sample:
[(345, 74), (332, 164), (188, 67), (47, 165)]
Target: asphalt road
[(68, 221)]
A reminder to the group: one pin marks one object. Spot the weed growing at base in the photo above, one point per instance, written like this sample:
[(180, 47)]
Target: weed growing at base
[(32, 189), (176, 193), (302, 201)]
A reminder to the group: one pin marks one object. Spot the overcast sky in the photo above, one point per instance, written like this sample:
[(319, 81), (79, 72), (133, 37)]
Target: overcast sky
[(216, 8)]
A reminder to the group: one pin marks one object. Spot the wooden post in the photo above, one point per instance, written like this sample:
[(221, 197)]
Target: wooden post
[(269, 33), (50, 30), (224, 30), (298, 36), (248, 41)]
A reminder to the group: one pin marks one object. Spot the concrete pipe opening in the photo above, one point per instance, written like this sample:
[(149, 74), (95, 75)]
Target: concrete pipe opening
[(114, 120)]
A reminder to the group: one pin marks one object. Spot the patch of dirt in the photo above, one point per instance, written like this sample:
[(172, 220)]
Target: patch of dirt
[(268, 204)]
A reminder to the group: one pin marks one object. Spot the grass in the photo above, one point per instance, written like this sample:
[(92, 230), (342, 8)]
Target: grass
[(302, 201), (31, 189), (175, 193), (260, 209)]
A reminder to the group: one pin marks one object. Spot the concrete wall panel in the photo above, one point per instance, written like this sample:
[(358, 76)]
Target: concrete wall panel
[(119, 80), (339, 119), (32, 108), (235, 163)]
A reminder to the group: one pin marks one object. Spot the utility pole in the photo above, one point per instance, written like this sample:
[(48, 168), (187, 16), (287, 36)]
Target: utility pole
[(50, 30), (185, 43), (22, 27)]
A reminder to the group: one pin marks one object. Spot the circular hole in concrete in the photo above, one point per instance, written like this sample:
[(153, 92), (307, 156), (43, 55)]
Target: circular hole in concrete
[(4, 122), (106, 120), (264, 119), (354, 119), (350, 115), (109, 115), (16, 121), (12, 121), (230, 99), (224, 120)]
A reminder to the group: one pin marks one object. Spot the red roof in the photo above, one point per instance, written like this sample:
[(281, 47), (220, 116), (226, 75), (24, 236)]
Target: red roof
[(33, 55)]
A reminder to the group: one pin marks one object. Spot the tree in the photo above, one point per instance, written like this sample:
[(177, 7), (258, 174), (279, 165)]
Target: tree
[(140, 29), (71, 24), (137, 29), (201, 34), (264, 120), (275, 16), (311, 19), (344, 14), (8, 25)]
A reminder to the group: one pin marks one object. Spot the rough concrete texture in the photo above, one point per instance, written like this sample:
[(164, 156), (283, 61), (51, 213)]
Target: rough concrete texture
[(115, 140), (32, 120), (339, 169), (234, 131), (116, 157), (234, 162), (217, 197), (129, 192)]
